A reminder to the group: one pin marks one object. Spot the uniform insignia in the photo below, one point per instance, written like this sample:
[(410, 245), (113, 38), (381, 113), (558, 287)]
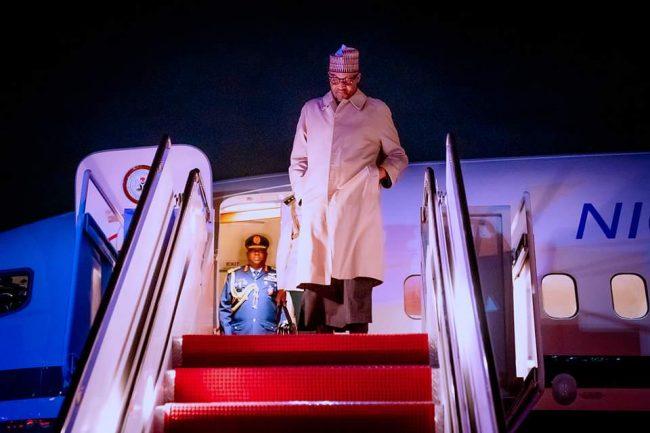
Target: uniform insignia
[(231, 270), (257, 240), (252, 287)]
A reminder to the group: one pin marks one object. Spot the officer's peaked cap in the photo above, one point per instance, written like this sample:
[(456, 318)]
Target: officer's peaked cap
[(257, 242)]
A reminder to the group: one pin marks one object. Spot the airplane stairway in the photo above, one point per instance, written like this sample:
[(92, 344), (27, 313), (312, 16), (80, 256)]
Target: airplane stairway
[(297, 383)]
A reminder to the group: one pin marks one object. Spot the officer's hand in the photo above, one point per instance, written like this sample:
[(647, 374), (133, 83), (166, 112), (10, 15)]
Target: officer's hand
[(281, 297)]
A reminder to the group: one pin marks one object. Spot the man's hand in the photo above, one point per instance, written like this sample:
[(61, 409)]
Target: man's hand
[(382, 173), (281, 297)]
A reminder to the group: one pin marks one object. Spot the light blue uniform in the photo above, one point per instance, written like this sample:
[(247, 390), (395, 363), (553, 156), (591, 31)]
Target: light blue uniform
[(248, 302)]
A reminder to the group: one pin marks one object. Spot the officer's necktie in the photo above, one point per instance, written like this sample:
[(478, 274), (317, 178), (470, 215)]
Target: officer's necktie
[(256, 293)]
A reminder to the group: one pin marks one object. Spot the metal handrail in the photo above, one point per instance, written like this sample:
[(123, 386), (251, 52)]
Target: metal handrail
[(459, 186), (80, 222), (89, 177), (193, 178), (196, 176), (147, 193), (439, 259)]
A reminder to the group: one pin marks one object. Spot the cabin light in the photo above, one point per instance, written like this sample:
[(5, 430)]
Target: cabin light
[(27, 425), (230, 217), (244, 207)]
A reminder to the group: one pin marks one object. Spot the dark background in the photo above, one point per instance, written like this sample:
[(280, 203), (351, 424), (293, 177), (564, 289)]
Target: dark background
[(541, 79)]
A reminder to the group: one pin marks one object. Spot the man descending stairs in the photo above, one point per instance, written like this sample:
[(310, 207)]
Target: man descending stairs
[(299, 383)]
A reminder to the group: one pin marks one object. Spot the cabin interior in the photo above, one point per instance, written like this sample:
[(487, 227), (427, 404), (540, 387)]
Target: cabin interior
[(240, 217)]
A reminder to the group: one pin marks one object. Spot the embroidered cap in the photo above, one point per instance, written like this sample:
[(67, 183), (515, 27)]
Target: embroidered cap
[(256, 242), (345, 60)]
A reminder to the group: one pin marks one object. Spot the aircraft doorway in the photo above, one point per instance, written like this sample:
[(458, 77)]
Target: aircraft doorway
[(240, 217)]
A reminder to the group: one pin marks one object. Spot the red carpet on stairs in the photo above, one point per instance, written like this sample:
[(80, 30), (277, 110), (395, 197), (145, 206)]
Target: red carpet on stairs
[(301, 418), (299, 383), (304, 349), (351, 383)]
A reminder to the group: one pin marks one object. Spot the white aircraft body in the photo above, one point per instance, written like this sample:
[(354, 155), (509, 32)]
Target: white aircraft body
[(528, 274)]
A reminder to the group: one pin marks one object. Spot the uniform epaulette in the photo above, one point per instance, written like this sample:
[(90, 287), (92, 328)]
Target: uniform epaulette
[(231, 270)]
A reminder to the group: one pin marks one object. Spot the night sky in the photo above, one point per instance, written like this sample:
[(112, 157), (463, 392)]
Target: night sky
[(231, 81)]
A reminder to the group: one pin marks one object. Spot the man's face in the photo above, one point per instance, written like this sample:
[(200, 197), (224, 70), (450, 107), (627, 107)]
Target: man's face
[(343, 85), (256, 257)]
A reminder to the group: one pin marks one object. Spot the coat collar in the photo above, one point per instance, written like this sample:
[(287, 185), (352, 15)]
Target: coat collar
[(358, 100), (327, 101)]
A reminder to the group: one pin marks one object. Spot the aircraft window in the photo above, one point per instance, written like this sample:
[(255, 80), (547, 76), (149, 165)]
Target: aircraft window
[(559, 296), (629, 296), (15, 287), (413, 296)]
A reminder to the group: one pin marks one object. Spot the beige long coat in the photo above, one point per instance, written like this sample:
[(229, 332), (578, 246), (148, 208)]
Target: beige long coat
[(335, 177)]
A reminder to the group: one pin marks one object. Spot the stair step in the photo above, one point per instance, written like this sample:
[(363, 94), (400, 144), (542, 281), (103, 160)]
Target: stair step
[(342, 383), (289, 350), (298, 417)]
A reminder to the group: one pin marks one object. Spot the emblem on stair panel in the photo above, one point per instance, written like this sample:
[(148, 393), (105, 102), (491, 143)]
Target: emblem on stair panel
[(134, 180)]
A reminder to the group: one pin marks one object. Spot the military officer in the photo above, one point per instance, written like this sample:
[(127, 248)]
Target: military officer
[(249, 301)]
